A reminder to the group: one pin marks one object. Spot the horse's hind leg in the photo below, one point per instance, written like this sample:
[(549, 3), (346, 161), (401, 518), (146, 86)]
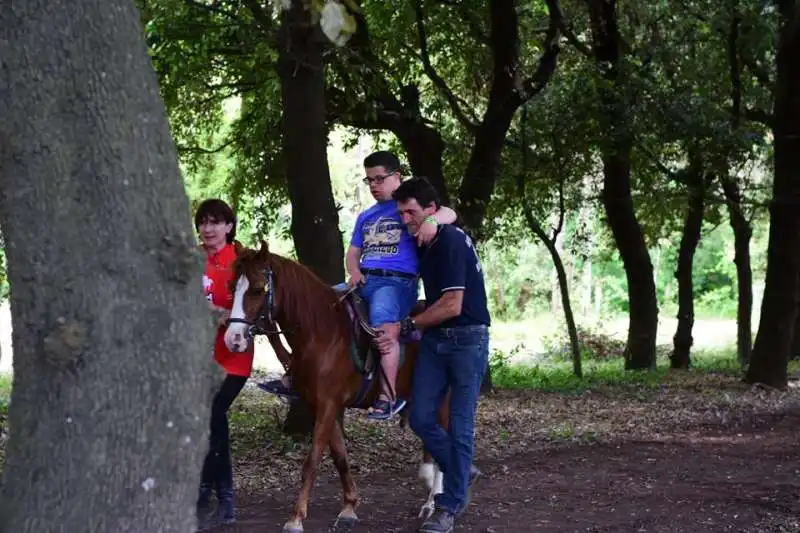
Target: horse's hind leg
[(347, 517), (433, 477), (323, 428), (429, 471)]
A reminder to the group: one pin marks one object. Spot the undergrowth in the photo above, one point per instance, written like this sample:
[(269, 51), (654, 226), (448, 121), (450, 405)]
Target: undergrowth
[(603, 366)]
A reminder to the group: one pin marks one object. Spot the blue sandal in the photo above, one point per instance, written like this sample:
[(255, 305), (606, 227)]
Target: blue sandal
[(384, 410), (277, 387)]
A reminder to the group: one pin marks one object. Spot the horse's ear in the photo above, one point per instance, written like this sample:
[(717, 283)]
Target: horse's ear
[(264, 248), (237, 246)]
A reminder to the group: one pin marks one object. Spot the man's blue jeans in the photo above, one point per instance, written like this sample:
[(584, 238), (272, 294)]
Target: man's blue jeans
[(454, 358)]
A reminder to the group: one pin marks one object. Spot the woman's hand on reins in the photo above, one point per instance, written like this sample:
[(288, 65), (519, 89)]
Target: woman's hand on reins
[(220, 314)]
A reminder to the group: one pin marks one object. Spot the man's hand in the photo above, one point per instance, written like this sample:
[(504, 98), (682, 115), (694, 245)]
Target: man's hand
[(383, 341), (427, 231), (407, 326)]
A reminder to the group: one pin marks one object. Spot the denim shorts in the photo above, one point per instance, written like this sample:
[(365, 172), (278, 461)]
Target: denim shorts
[(390, 298)]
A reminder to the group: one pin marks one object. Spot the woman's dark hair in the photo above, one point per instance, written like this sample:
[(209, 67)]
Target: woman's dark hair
[(418, 188), (216, 210)]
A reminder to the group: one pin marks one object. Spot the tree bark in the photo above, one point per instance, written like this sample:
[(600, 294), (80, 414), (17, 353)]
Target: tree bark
[(552, 246), (383, 110), (508, 92), (425, 149), (112, 336), (640, 351), (779, 308), (742, 233), (315, 220), (692, 225)]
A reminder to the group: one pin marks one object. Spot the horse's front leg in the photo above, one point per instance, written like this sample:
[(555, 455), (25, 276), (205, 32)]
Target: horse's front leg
[(429, 471), (323, 427), (347, 517)]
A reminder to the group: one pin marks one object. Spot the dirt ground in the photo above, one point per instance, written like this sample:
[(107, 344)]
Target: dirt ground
[(675, 460)]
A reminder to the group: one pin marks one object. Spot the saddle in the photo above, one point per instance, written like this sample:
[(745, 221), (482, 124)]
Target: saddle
[(365, 355)]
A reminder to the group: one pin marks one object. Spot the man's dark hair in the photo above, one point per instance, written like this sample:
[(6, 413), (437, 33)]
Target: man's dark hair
[(217, 210), (419, 189), (382, 158)]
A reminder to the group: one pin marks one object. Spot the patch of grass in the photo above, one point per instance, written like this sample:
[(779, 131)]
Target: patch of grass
[(256, 420), (5, 393), (557, 376)]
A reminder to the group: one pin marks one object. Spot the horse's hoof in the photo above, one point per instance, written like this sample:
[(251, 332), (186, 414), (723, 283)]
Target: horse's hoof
[(426, 511), (345, 522), (290, 527)]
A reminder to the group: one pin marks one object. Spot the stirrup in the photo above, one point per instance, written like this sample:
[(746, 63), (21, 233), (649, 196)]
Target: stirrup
[(277, 388), (384, 409)]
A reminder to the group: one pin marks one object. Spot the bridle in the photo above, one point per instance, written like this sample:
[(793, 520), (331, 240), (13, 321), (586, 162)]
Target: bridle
[(264, 323)]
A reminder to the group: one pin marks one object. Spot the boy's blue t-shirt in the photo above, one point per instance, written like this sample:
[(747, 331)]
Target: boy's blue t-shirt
[(384, 240)]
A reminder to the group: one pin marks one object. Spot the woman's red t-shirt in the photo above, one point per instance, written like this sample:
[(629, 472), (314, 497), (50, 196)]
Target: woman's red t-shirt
[(216, 281)]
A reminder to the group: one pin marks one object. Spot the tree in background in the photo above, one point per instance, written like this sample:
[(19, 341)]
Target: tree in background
[(772, 348)]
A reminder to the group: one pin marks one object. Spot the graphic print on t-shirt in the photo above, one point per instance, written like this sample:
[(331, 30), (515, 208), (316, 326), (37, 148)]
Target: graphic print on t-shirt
[(208, 285), (381, 237)]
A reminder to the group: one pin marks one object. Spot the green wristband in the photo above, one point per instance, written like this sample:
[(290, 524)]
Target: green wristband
[(432, 220)]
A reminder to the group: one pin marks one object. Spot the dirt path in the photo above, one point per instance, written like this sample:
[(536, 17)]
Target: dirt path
[(707, 480)]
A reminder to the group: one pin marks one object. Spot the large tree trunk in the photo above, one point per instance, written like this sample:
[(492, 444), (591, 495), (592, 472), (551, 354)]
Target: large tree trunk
[(795, 353), (779, 308), (640, 351), (112, 367), (425, 149), (692, 225), (315, 220)]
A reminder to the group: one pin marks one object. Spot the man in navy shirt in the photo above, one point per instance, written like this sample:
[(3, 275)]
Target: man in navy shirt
[(454, 350)]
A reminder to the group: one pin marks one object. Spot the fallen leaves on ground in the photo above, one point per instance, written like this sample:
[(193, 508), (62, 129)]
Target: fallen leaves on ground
[(510, 423)]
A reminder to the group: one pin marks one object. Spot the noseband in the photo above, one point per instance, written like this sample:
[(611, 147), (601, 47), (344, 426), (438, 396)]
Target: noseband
[(265, 322)]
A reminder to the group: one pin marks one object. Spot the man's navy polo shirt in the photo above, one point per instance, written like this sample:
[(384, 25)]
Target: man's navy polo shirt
[(450, 262)]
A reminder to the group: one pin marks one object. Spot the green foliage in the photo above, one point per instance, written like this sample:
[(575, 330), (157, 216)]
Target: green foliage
[(4, 286), (593, 345), (217, 72), (6, 381), (558, 376)]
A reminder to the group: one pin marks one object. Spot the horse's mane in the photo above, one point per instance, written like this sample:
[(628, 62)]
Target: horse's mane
[(303, 296)]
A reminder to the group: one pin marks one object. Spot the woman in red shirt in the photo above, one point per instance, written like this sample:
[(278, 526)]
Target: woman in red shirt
[(216, 224)]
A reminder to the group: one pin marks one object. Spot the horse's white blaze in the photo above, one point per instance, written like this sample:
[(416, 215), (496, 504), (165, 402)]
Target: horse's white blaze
[(433, 480), (235, 335)]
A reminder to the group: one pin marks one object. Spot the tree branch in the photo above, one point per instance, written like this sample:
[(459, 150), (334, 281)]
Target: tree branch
[(260, 15), (561, 209), (759, 73), (469, 19), (433, 75), (194, 149), (549, 58), (211, 8)]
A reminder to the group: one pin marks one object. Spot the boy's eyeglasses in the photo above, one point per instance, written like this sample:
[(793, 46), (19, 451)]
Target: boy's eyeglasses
[(377, 179)]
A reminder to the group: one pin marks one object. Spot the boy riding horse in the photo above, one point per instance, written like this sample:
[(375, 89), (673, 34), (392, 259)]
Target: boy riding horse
[(382, 266)]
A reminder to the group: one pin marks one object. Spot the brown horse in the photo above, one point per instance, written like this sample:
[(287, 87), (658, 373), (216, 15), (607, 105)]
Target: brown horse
[(272, 295)]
